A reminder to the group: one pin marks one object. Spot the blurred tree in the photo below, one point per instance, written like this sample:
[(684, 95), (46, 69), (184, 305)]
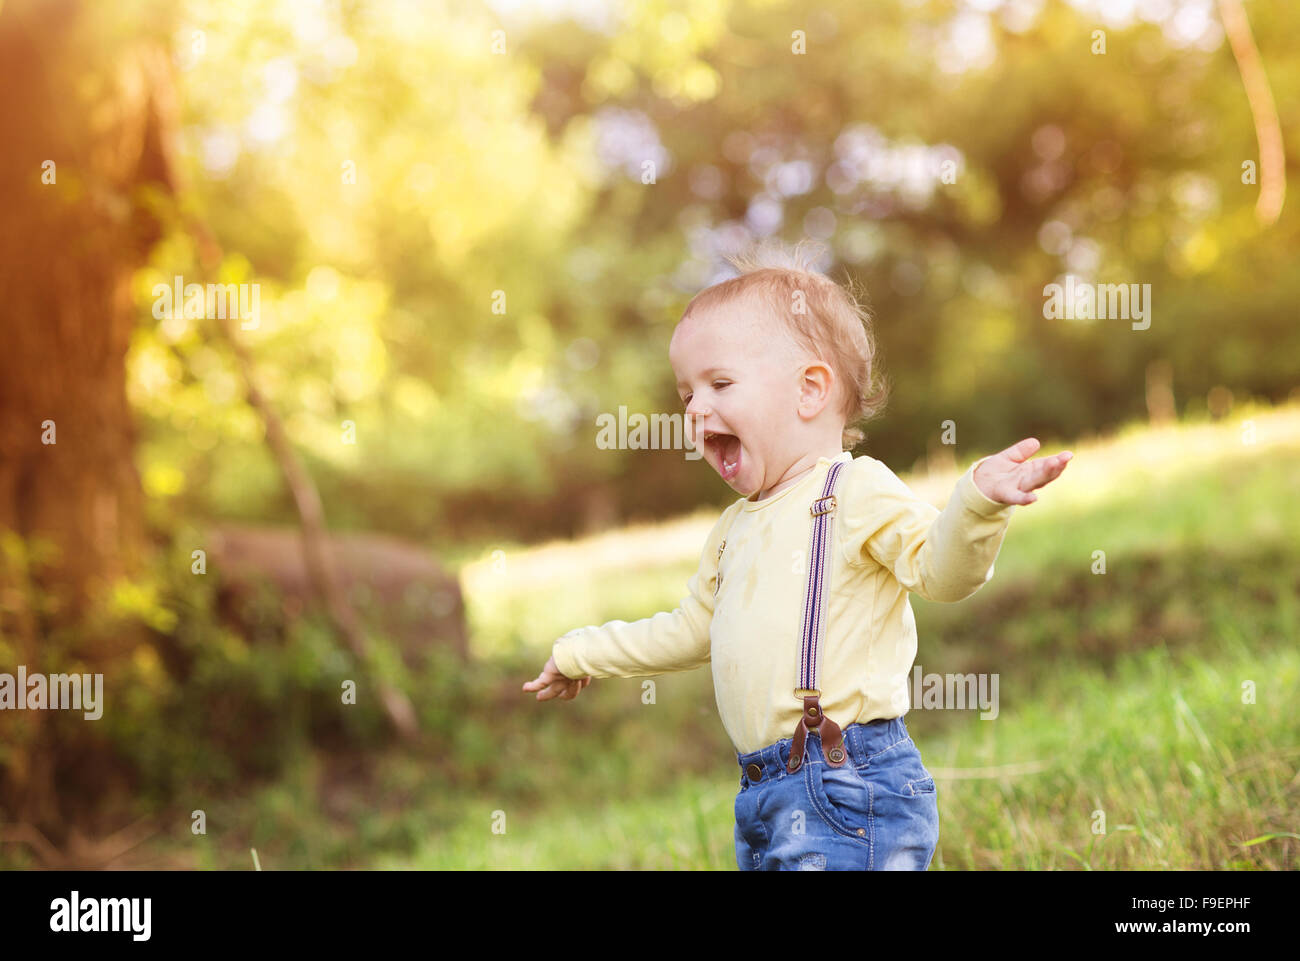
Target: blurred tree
[(85, 128), (87, 124)]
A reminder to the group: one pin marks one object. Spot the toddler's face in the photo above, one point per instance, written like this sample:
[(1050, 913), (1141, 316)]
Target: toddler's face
[(738, 376)]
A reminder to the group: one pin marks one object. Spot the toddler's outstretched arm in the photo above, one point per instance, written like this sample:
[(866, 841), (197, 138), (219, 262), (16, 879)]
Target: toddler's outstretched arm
[(667, 641)]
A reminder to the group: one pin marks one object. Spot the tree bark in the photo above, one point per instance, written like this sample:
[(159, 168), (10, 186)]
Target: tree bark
[(86, 127)]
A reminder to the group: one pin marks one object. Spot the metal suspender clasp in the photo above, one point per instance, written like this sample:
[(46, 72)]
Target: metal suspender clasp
[(823, 505)]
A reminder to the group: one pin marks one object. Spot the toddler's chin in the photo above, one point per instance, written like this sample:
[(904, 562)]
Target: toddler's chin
[(743, 483)]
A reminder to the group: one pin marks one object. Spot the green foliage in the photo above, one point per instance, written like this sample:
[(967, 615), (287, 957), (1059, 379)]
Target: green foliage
[(209, 705), (385, 176)]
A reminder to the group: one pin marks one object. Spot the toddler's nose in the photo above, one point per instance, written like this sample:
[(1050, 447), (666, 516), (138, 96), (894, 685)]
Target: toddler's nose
[(693, 429)]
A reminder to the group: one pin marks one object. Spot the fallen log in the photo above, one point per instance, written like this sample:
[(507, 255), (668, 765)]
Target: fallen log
[(397, 587)]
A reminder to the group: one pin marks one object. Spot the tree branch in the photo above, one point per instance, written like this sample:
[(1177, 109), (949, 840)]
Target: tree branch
[(1268, 130)]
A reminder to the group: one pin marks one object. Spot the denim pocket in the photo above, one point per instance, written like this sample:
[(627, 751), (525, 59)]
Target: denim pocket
[(905, 811), (898, 769), (841, 797), (920, 785)]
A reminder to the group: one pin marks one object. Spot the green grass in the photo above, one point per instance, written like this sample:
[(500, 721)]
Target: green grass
[(1184, 773), (1120, 693), (1161, 753)]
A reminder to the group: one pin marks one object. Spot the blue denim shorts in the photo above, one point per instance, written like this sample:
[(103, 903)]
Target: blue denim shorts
[(877, 812)]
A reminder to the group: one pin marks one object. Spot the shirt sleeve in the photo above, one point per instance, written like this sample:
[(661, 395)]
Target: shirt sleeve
[(664, 642), (940, 555)]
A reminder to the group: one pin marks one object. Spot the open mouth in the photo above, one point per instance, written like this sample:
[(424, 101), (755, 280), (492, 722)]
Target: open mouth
[(725, 449)]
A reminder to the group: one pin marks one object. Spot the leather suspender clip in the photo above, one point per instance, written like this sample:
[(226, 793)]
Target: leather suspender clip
[(830, 733)]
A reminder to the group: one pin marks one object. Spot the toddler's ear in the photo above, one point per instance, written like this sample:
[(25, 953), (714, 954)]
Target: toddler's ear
[(816, 385)]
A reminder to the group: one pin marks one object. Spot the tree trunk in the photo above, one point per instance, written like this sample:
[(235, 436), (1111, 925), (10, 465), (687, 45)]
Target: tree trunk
[(1161, 409), (86, 125)]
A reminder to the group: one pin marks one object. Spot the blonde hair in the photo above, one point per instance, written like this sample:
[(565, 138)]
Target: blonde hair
[(833, 325)]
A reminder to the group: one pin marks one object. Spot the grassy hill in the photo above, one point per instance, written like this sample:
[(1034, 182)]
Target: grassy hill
[(1145, 717)]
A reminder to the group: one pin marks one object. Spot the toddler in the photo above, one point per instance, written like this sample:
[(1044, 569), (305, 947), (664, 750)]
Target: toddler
[(800, 602)]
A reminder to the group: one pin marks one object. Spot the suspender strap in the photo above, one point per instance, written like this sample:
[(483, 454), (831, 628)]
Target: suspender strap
[(820, 559)]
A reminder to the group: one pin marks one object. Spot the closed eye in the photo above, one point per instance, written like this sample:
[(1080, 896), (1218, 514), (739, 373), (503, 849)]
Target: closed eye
[(717, 385)]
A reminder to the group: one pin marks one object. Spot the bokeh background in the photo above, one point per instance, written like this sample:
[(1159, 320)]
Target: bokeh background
[(472, 228)]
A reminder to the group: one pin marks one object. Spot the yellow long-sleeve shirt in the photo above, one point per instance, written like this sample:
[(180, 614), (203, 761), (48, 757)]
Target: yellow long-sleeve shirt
[(744, 606)]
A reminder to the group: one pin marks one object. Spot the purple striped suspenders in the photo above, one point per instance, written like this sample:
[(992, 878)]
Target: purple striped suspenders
[(820, 561)]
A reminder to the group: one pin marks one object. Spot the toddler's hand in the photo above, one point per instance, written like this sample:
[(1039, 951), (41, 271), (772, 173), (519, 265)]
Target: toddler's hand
[(551, 683), (1007, 477)]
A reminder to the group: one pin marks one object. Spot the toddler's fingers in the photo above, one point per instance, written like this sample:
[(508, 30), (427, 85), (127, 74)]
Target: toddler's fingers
[(1048, 472), (553, 689)]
